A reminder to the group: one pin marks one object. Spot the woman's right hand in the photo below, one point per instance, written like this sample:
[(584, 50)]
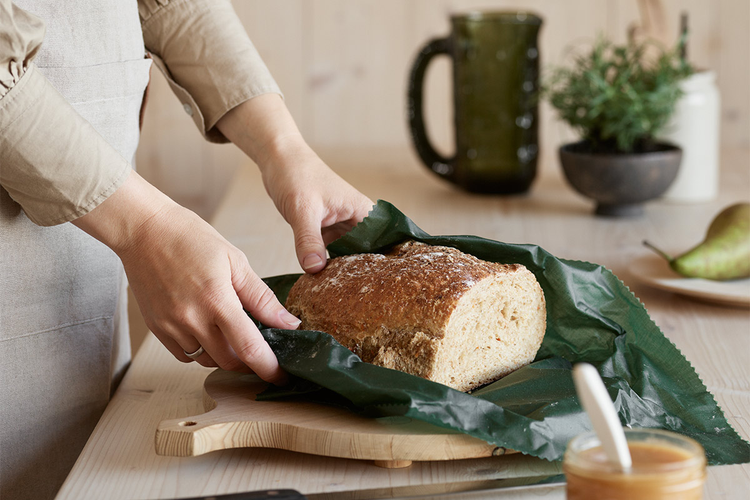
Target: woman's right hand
[(192, 286)]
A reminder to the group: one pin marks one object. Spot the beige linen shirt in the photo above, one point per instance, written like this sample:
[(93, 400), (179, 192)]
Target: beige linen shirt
[(52, 162)]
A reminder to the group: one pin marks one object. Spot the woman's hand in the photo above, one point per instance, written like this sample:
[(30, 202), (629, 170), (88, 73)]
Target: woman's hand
[(190, 283), (318, 204)]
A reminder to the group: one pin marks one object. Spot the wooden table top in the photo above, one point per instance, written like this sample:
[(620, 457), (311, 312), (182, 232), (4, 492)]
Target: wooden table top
[(119, 460)]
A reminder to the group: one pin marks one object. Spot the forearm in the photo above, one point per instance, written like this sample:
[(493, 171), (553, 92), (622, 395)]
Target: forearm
[(263, 129), (117, 221)]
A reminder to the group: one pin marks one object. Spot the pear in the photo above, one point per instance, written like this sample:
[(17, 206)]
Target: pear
[(724, 254)]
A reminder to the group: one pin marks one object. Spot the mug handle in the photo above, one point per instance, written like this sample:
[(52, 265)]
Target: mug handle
[(431, 158)]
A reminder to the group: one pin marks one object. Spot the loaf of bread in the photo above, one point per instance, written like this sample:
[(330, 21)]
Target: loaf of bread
[(430, 311)]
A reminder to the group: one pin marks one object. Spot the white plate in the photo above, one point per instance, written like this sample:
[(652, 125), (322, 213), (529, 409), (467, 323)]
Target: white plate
[(654, 271)]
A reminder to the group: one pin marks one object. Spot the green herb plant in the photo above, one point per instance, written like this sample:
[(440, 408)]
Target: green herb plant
[(617, 97)]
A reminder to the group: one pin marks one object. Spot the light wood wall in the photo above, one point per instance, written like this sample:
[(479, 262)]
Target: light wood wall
[(343, 64)]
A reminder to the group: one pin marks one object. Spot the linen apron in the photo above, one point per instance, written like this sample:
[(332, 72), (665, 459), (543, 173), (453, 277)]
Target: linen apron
[(63, 318)]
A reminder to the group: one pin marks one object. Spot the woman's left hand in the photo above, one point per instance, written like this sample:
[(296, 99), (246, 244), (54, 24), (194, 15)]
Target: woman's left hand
[(318, 204)]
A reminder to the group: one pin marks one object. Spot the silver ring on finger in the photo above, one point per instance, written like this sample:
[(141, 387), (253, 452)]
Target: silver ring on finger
[(194, 355)]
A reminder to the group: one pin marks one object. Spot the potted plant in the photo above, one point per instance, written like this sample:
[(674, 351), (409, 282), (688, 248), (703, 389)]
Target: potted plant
[(618, 98)]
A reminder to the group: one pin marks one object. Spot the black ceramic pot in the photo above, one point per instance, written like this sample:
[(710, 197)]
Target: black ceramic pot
[(620, 183)]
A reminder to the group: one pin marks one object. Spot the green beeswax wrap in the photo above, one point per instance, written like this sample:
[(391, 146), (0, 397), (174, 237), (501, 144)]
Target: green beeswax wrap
[(591, 316)]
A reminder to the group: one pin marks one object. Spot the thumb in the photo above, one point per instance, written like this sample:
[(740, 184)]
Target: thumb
[(260, 301), (309, 244)]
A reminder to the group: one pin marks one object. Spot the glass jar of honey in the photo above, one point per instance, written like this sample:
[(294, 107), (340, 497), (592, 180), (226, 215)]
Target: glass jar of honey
[(666, 466)]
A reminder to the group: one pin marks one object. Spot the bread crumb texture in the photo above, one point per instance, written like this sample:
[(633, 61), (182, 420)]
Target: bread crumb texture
[(430, 311)]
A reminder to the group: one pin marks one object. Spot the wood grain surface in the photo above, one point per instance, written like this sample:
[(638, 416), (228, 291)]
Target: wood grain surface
[(120, 460), (234, 419)]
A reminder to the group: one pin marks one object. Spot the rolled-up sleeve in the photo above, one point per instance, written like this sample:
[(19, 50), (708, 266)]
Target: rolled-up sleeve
[(52, 162), (21, 36), (207, 57)]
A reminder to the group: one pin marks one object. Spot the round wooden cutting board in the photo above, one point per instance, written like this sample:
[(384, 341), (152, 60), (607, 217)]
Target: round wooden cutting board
[(234, 419)]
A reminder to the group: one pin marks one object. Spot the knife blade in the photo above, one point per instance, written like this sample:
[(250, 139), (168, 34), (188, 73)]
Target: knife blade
[(446, 490), (285, 494), (458, 489)]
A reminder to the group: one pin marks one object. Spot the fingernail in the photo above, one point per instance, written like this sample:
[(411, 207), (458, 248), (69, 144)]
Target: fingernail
[(311, 261), (290, 319)]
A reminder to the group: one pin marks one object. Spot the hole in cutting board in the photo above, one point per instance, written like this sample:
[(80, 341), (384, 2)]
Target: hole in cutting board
[(187, 423)]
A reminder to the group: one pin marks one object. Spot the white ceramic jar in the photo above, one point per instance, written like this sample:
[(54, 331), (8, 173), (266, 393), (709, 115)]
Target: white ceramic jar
[(695, 128)]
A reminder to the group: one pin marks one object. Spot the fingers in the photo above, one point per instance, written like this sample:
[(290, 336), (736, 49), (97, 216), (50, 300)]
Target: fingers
[(363, 208), (233, 343), (258, 299), (218, 323), (336, 231), (250, 346), (313, 198), (308, 240), (314, 229), (178, 352)]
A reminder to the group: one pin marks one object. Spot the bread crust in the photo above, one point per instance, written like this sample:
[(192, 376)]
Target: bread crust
[(395, 309)]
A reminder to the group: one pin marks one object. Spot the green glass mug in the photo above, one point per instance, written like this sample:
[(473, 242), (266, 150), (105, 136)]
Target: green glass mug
[(495, 84)]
